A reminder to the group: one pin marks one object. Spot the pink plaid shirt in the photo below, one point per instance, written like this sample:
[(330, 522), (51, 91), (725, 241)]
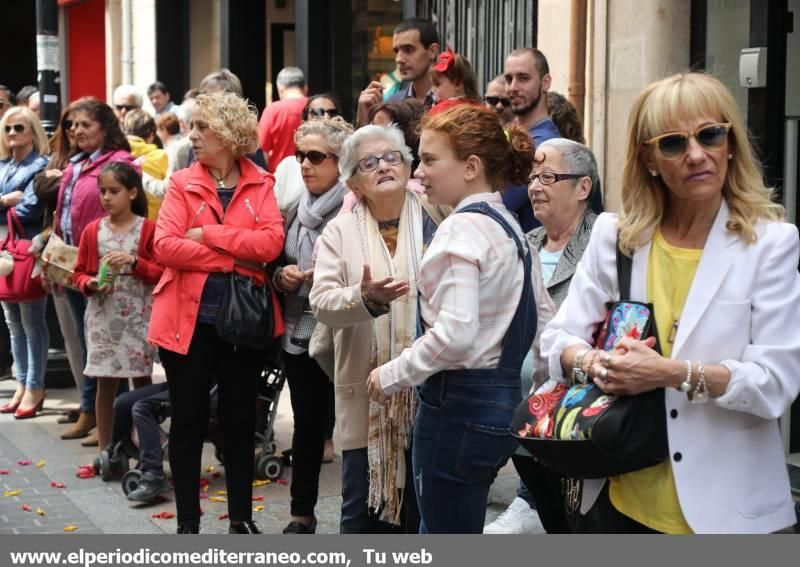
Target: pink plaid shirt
[(470, 284)]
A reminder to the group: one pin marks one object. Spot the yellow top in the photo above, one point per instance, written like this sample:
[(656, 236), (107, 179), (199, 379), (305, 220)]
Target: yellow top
[(649, 496)]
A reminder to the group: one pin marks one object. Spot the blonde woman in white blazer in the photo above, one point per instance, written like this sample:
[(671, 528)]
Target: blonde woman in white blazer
[(710, 251)]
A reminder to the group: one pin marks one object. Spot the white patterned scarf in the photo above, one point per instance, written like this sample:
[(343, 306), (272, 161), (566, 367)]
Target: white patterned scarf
[(390, 426)]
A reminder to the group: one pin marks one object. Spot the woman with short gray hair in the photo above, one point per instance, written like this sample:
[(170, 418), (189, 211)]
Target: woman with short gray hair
[(319, 143), (367, 267)]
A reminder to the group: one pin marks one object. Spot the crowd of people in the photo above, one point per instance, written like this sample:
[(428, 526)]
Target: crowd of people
[(425, 269)]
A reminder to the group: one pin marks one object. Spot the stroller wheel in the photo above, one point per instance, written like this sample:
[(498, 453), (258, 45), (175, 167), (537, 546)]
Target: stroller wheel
[(268, 467), (104, 461), (130, 481)]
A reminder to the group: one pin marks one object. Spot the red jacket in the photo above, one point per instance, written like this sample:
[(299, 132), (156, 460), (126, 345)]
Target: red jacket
[(252, 230), (88, 262)]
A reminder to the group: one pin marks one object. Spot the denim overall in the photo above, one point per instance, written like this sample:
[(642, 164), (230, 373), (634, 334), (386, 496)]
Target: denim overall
[(461, 434)]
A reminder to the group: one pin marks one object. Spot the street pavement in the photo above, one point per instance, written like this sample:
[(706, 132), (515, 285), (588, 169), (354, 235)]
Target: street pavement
[(94, 506)]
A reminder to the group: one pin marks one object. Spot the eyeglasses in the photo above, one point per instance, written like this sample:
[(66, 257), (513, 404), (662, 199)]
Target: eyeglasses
[(548, 177), (494, 100), (320, 112), (370, 163), (125, 107), (313, 156), (674, 144), (67, 124), (18, 128)]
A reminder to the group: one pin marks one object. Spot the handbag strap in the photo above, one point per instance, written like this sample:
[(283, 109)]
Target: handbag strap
[(624, 269), (15, 228)]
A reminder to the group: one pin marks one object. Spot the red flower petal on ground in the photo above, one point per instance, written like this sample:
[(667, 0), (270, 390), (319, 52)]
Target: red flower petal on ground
[(204, 482), (222, 517), (24, 463), (25, 507), (258, 498), (5, 471), (283, 481), (55, 484), (204, 496), (86, 471), (164, 516)]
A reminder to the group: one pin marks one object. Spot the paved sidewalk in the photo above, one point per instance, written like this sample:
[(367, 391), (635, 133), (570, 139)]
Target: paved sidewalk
[(94, 506)]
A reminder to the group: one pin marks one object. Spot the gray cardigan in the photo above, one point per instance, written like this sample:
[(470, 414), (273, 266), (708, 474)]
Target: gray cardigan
[(558, 286)]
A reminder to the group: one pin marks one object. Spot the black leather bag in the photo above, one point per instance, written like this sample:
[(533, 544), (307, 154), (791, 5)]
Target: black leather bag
[(582, 433), (246, 317)]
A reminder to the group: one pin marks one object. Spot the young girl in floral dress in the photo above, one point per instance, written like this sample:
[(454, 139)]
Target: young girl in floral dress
[(117, 271)]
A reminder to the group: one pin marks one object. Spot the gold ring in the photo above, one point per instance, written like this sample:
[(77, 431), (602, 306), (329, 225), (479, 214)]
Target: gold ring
[(607, 359), (603, 374)]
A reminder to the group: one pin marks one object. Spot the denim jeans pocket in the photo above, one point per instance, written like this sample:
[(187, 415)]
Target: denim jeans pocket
[(484, 449)]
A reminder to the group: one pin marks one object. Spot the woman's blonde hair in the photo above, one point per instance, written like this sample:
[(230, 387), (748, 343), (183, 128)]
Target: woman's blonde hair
[(334, 131), (644, 197), (231, 118), (40, 143)]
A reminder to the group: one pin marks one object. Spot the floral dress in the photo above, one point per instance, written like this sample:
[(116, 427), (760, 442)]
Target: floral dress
[(116, 323)]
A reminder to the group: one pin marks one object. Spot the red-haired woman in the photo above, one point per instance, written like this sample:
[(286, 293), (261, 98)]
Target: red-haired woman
[(480, 290)]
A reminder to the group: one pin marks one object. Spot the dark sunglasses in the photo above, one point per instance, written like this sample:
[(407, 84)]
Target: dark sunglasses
[(320, 112), (125, 107), (313, 156), (67, 124), (674, 144), (18, 128), (494, 100)]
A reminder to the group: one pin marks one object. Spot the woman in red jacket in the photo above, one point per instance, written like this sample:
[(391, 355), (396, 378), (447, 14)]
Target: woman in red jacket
[(219, 216)]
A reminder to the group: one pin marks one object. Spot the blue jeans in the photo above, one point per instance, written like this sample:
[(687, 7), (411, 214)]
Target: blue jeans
[(77, 302), (27, 325)]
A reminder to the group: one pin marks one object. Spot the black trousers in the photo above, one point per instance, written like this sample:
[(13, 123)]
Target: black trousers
[(236, 371), (309, 388), (546, 486)]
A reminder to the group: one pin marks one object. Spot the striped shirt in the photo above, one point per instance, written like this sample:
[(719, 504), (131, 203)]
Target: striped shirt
[(470, 284)]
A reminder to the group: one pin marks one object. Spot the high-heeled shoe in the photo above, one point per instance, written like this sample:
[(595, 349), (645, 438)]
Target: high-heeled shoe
[(10, 407), (29, 413)]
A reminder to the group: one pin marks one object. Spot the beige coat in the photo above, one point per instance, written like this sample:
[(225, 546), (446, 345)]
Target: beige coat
[(336, 302)]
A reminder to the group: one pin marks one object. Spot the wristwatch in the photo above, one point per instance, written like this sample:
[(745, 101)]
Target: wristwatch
[(578, 375)]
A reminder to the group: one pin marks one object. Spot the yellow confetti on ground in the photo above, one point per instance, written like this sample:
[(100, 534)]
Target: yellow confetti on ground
[(10, 493), (70, 528), (260, 483), (258, 508), (210, 468), (218, 499), (41, 463), (40, 511), (221, 492)]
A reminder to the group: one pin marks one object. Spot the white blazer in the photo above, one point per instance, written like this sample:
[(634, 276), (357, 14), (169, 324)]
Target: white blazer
[(742, 311)]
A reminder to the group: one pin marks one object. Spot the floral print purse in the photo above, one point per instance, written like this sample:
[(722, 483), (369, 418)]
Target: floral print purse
[(583, 433)]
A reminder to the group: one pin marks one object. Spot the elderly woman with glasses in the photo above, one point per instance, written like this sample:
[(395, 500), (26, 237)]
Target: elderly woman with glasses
[(712, 254), (365, 288), (319, 144)]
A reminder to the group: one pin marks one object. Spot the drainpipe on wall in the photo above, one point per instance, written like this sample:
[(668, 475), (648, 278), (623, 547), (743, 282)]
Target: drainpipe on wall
[(127, 42), (576, 89)]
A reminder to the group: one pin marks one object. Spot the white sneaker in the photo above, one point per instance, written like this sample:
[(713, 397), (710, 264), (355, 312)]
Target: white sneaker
[(518, 518)]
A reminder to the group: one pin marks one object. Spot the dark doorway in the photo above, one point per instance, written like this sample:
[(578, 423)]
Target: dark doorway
[(280, 34)]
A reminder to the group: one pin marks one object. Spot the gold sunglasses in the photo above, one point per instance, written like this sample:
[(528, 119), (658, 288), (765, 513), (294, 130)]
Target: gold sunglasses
[(674, 144)]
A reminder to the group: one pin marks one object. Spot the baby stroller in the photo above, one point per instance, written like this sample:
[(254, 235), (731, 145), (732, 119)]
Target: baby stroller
[(267, 465)]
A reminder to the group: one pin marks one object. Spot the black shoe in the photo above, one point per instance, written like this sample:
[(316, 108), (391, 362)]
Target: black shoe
[(150, 487), (188, 528), (245, 527), (301, 528)]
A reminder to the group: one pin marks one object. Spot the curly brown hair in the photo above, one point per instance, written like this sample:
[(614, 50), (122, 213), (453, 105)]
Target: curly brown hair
[(232, 118)]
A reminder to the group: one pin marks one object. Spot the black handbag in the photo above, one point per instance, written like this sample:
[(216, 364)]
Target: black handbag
[(583, 433), (245, 316)]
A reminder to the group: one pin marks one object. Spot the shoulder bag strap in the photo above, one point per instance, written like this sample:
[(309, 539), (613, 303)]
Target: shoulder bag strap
[(624, 268)]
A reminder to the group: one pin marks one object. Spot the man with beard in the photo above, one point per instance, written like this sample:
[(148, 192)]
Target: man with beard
[(527, 76), (416, 47)]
